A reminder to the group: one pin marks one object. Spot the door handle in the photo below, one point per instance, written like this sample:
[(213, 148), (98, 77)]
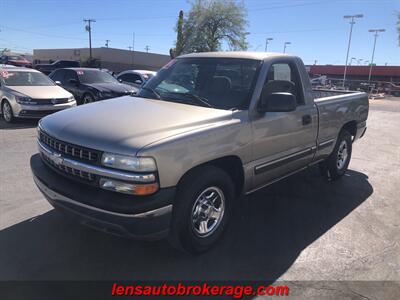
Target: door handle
[(306, 119)]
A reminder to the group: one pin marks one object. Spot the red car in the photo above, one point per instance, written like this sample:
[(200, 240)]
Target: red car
[(15, 60)]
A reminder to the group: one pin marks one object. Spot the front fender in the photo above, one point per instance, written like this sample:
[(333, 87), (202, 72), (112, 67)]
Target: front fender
[(178, 154)]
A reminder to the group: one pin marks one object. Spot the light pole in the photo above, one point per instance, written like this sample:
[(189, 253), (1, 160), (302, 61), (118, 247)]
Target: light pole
[(352, 22), (284, 46), (89, 29), (107, 43), (267, 40), (373, 50)]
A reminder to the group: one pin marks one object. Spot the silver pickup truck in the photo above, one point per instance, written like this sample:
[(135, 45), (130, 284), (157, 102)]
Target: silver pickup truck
[(209, 127)]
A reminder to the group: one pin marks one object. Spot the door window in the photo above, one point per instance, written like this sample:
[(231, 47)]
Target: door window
[(69, 74), (284, 78), (58, 75), (130, 78)]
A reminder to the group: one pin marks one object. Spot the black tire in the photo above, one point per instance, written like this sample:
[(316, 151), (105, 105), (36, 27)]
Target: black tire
[(87, 98), (201, 181), (8, 114), (335, 166)]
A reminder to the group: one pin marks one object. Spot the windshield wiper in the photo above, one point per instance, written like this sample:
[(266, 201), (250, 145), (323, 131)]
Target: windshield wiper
[(199, 99), (153, 91)]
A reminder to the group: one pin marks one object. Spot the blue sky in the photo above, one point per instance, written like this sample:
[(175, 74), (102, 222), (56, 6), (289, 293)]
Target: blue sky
[(315, 28)]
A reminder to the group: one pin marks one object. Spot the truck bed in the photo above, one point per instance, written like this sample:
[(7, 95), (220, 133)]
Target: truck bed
[(320, 93), (337, 108)]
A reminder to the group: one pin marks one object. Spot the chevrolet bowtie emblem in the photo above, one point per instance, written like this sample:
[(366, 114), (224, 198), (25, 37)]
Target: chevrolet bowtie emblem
[(56, 158)]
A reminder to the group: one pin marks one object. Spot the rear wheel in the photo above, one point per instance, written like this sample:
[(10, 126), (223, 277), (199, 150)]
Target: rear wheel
[(337, 163), (8, 114), (202, 209)]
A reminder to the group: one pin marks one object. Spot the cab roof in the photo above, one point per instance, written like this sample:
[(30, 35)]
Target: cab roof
[(235, 54)]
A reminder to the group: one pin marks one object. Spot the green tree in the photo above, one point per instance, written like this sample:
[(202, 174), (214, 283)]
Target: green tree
[(179, 43), (212, 23)]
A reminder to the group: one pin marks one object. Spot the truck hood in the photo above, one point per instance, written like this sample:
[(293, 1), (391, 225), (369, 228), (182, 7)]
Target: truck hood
[(41, 92), (125, 125)]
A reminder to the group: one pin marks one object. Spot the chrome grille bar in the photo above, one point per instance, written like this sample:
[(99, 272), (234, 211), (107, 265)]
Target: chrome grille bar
[(78, 166)]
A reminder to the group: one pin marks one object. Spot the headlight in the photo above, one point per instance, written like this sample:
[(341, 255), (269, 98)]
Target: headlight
[(24, 100), (129, 163)]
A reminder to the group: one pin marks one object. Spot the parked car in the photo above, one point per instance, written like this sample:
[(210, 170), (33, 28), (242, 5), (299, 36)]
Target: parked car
[(89, 85), (135, 77), (58, 64), (208, 128), (391, 89), (27, 93), (15, 60)]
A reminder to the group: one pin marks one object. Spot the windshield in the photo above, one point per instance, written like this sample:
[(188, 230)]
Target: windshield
[(16, 78), (218, 83), (95, 76)]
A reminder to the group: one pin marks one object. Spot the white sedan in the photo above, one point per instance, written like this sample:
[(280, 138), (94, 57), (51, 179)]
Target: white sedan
[(135, 77), (27, 93)]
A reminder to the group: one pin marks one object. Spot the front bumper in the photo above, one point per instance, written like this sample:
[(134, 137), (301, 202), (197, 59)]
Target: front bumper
[(38, 111), (145, 217)]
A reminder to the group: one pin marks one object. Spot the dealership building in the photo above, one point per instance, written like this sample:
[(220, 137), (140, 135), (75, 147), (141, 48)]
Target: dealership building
[(379, 73), (116, 60)]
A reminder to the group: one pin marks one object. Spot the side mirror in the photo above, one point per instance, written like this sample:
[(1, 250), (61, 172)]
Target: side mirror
[(73, 81), (57, 82), (277, 102), (119, 79)]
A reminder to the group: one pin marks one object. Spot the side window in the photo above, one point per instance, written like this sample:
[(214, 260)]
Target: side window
[(69, 74), (130, 78), (58, 75), (284, 77), (135, 77), (125, 77)]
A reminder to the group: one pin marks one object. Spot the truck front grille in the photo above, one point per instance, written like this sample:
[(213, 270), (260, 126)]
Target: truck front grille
[(81, 153), (71, 171)]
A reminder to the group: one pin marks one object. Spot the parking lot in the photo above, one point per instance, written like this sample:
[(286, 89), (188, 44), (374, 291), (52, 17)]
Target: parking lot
[(302, 228)]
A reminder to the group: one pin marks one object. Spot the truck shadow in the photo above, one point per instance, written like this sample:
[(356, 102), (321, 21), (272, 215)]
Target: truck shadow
[(267, 234)]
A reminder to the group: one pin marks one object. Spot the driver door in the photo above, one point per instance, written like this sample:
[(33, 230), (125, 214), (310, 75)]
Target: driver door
[(283, 141)]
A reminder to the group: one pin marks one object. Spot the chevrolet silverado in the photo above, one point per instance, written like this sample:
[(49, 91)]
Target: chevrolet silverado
[(209, 127)]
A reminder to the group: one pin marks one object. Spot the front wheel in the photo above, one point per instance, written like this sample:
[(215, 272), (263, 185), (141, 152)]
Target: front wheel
[(87, 98), (8, 114), (202, 209), (337, 163)]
